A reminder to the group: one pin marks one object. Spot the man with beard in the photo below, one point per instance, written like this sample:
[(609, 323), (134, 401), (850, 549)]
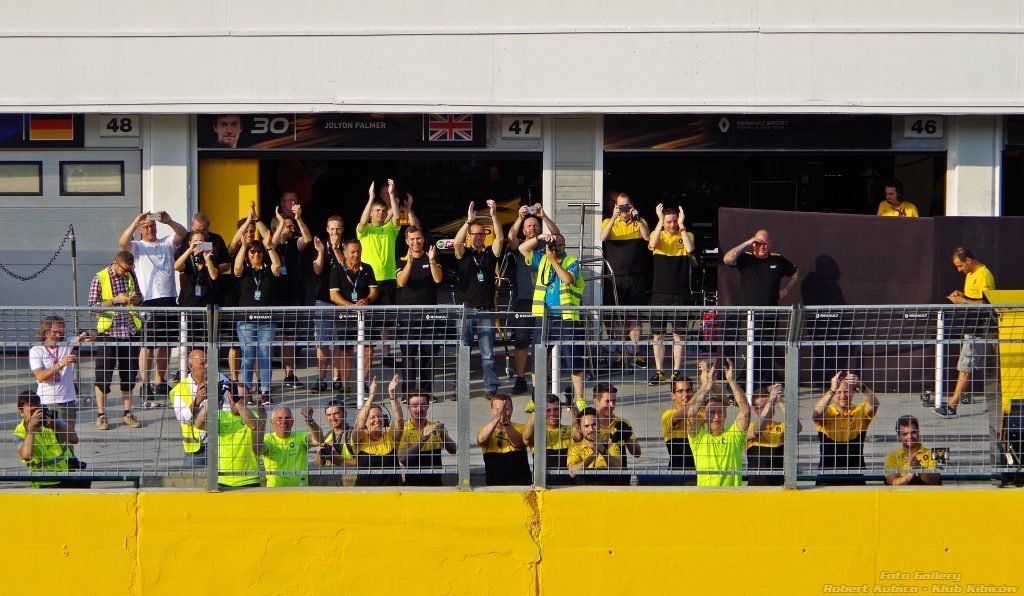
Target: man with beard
[(422, 444)]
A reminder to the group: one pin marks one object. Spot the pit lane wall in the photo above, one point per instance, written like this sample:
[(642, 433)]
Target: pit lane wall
[(532, 542)]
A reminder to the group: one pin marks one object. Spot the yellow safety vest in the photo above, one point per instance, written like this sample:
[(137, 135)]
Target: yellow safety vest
[(568, 294), (191, 437), (105, 320)]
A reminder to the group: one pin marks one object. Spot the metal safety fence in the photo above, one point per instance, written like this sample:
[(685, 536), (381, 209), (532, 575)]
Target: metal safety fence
[(611, 395)]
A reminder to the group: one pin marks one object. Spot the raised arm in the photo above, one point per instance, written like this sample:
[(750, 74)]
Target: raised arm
[(484, 434), (460, 236), (765, 415), (734, 253), (818, 413), (395, 207), (413, 220), (179, 230), (743, 418), (364, 218), (866, 393), (305, 238), (513, 232), (499, 234), (692, 422), (275, 262), (652, 243), (316, 436), (125, 242), (547, 221), (398, 418)]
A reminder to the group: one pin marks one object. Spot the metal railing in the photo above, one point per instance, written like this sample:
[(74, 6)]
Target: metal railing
[(905, 356)]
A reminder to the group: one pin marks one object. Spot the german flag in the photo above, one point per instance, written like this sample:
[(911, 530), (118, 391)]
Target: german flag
[(51, 127)]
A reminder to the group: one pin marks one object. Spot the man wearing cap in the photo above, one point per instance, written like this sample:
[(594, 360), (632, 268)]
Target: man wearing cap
[(717, 450)]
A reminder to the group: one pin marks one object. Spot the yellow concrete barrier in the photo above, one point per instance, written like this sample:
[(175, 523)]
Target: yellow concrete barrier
[(533, 542)]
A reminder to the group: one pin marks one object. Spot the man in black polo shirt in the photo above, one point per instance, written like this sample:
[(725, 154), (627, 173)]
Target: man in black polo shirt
[(328, 256), (417, 285), (477, 272), (290, 239), (761, 272), (353, 284)]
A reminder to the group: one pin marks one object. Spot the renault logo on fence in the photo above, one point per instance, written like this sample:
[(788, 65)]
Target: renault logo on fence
[(723, 124)]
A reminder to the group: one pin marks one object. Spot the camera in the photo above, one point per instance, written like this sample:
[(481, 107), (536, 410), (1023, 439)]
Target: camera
[(76, 464), (153, 216), (204, 247), (531, 210), (48, 413)]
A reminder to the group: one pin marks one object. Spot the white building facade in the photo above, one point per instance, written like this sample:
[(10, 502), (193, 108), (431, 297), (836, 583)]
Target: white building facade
[(782, 104)]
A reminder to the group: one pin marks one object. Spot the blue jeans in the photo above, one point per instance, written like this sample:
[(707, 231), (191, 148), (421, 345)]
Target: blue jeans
[(255, 338), (484, 330)]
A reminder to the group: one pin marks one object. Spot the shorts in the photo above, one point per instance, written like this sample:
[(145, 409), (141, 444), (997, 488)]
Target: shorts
[(161, 326), (120, 355), (522, 327), (324, 328), (570, 334), (631, 292), (346, 328), (966, 362), (662, 318), (386, 291), (293, 324)]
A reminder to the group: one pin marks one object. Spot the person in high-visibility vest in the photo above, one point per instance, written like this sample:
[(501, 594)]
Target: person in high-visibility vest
[(187, 398), (559, 283), (116, 289), (44, 442)]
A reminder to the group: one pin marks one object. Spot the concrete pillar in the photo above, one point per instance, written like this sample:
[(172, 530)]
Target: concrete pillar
[(974, 160)]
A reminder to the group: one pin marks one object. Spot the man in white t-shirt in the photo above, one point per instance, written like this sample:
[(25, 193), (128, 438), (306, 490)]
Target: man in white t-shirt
[(154, 270), (53, 364)]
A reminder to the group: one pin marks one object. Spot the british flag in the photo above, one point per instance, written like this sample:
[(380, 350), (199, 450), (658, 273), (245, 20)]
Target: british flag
[(450, 127)]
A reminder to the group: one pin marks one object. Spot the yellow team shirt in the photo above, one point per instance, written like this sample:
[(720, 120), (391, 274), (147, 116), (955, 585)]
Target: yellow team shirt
[(977, 282), (498, 442), (904, 209), (382, 446), (622, 230), (672, 432), (579, 452), (411, 437), (772, 435), (558, 438), (844, 427), (672, 246), (899, 460)]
